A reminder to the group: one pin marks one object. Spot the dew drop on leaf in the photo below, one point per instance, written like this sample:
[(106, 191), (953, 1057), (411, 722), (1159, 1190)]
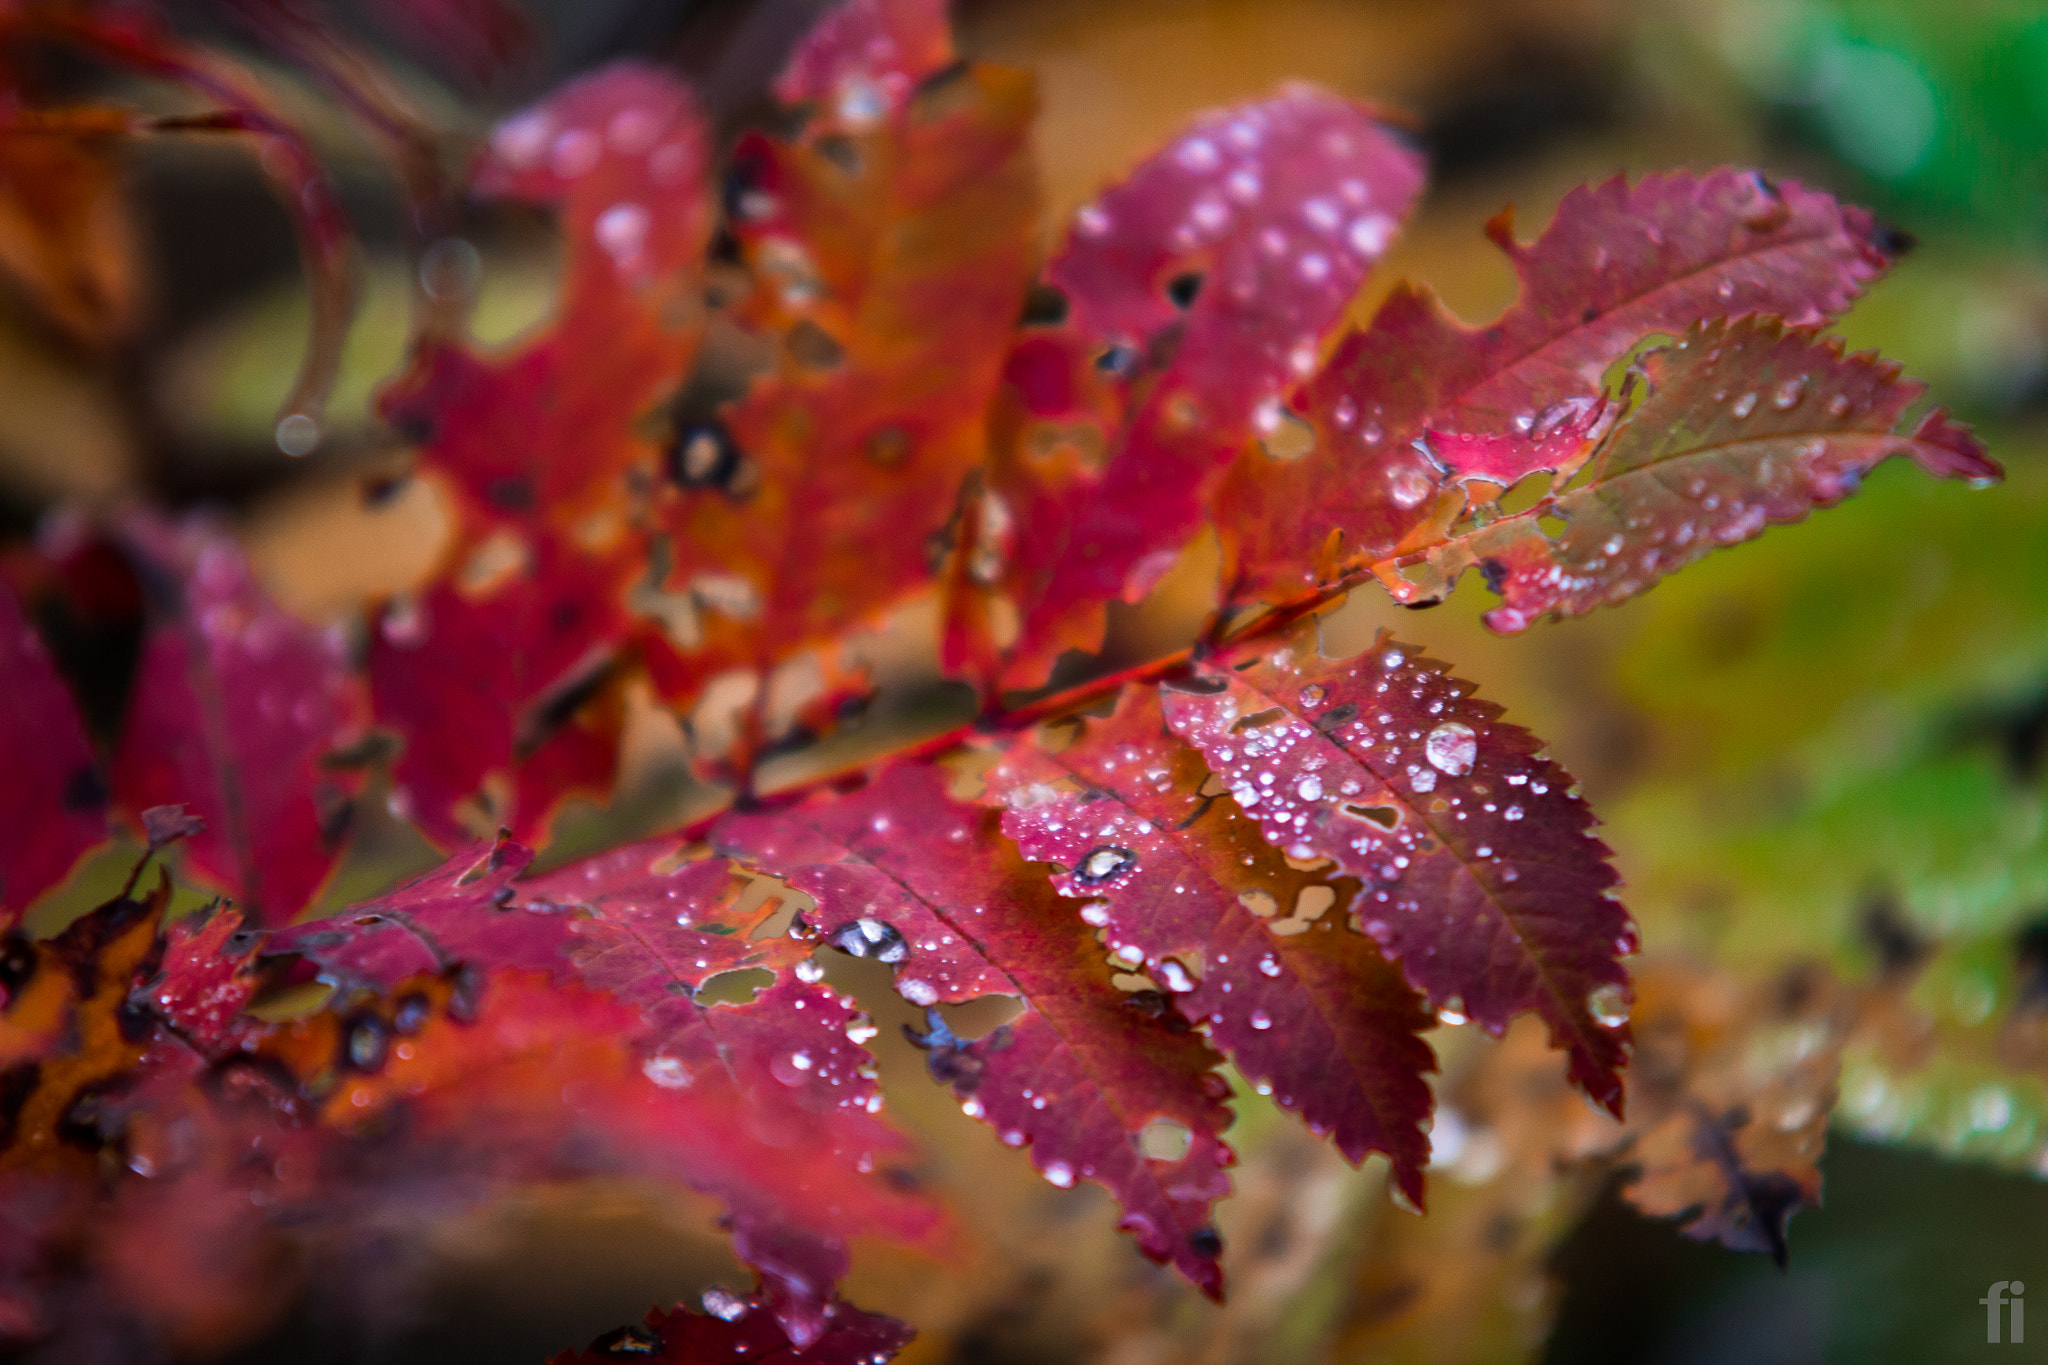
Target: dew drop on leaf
[(1451, 749), (1744, 406), (366, 1042), (873, 938), (1104, 863), (1609, 1005), (1060, 1174), (723, 1304), (1261, 1020)]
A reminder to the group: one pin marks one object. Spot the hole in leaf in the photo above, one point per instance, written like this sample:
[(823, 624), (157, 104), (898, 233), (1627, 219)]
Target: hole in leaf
[(1527, 492), (1553, 525), (1044, 306), (1386, 817), (1118, 360), (703, 456), (1290, 440), (1258, 720), (1196, 684), (1183, 289), (981, 1016), (813, 347), (736, 987), (841, 151), (1260, 903), (889, 447), (1312, 902), (1165, 1140)]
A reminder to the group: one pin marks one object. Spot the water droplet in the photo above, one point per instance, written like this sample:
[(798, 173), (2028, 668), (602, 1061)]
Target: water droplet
[(1368, 235), (1408, 486), (1453, 1012), (366, 1043), (1175, 977), (1261, 1020), (1104, 863), (622, 231), (1310, 788), (1744, 406), (1789, 393), (1060, 1174), (1608, 1004), (667, 1072), (723, 1305), (1312, 696), (1199, 155), (1269, 966), (870, 938), (1091, 221), (1838, 406), (917, 992), (298, 434), (1451, 748), (1422, 780), (1393, 658), (809, 971)]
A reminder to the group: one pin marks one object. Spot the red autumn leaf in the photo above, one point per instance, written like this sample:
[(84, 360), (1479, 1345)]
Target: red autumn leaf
[(206, 978), (651, 934), (1480, 873), (1738, 426), (868, 55), (53, 805), (906, 874), (892, 250), (1619, 262), (733, 1331), (489, 675), (1272, 212), (1318, 1017), (235, 709), (788, 1060)]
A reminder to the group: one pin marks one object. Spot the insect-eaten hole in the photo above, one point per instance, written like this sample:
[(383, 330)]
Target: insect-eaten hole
[(736, 987), (1044, 306), (1553, 525), (981, 1016), (812, 347), (1289, 440), (1386, 817), (1260, 903), (1529, 490), (1258, 720), (1183, 289), (1165, 1140)]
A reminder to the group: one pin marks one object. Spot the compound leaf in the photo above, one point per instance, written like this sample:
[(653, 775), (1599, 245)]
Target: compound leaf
[(494, 674), (1314, 1014), (1617, 263), (1211, 276), (1480, 873), (1736, 426), (904, 872)]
